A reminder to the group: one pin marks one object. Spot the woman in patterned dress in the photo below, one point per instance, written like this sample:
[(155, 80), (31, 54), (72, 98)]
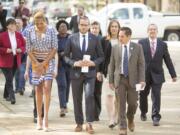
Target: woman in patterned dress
[(41, 48)]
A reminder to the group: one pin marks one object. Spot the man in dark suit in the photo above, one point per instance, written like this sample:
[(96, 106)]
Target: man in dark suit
[(73, 25), (155, 51), (79, 46), (3, 14), (126, 69)]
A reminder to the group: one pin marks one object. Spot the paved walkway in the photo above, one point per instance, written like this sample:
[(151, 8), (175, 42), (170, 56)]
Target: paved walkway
[(18, 119)]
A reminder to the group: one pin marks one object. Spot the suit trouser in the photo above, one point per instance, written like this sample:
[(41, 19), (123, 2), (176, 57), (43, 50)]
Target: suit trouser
[(19, 78), (9, 75), (63, 82), (126, 93), (97, 99), (77, 92), (156, 99)]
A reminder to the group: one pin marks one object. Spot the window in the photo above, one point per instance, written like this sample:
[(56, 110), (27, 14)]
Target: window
[(137, 13), (121, 14)]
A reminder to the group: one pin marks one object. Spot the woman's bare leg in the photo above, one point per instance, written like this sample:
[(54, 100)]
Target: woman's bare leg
[(47, 96), (39, 101)]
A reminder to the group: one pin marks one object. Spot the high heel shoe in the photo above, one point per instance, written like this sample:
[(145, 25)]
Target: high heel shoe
[(46, 129), (39, 124), (45, 125), (39, 127)]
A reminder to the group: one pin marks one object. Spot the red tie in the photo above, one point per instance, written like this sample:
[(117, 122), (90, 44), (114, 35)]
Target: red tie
[(152, 48)]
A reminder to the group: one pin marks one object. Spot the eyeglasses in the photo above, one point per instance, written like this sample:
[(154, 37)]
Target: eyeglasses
[(86, 25)]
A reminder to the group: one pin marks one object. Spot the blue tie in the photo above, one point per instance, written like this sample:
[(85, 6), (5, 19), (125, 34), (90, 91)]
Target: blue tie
[(84, 45), (125, 62)]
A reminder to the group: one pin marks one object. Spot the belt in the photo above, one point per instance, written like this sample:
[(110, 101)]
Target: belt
[(122, 75)]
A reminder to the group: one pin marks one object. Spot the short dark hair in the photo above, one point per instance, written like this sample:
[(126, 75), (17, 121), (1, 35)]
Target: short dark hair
[(21, 1), (127, 30), (10, 21), (95, 23), (83, 18), (60, 22)]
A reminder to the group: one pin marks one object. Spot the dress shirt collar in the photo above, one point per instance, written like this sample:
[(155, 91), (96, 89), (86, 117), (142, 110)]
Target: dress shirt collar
[(81, 35), (128, 44), (153, 40)]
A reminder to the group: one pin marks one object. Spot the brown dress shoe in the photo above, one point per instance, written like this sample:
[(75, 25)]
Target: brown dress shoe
[(78, 128), (131, 125), (123, 132), (89, 129)]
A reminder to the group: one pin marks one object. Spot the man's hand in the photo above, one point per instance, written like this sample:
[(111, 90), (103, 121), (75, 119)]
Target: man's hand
[(55, 73), (26, 75), (88, 63), (111, 86), (143, 84), (174, 79), (99, 76), (39, 68), (78, 63), (18, 50), (9, 50)]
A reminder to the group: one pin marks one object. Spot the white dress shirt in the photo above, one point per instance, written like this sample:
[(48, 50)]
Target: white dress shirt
[(81, 38), (123, 49), (13, 42)]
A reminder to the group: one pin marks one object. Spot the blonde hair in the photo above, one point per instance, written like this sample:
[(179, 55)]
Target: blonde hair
[(39, 14)]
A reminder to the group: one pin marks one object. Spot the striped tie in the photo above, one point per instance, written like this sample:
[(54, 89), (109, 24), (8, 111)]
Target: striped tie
[(152, 48)]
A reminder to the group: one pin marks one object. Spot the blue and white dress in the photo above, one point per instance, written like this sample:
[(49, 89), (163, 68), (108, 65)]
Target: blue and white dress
[(41, 46)]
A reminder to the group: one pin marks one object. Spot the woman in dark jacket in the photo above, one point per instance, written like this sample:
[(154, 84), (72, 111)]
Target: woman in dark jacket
[(107, 43)]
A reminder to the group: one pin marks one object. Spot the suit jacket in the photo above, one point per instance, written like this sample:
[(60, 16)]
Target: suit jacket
[(73, 25), (3, 15), (7, 59), (154, 66), (136, 65), (73, 53), (106, 46)]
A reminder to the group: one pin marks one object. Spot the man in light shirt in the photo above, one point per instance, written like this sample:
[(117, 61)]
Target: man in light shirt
[(155, 51)]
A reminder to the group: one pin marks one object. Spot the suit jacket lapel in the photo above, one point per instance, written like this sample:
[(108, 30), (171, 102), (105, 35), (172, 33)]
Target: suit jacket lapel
[(89, 43), (77, 40), (8, 40), (131, 49), (157, 48), (148, 48), (17, 40)]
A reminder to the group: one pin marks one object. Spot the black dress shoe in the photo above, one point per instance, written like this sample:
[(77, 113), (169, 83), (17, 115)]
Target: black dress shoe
[(8, 99), (143, 117), (13, 100), (155, 122), (96, 119), (111, 126), (21, 92)]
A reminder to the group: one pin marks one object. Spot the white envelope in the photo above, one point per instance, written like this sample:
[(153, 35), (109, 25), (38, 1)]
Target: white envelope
[(85, 69), (138, 87)]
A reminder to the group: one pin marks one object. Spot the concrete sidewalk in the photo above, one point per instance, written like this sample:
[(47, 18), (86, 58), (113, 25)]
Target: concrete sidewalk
[(17, 119)]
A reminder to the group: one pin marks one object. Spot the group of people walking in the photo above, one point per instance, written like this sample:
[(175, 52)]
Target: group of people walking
[(85, 60)]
